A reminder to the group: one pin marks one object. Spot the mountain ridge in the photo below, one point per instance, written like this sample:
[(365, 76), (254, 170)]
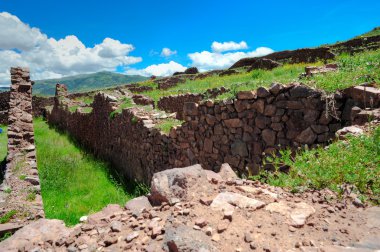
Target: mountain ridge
[(85, 82)]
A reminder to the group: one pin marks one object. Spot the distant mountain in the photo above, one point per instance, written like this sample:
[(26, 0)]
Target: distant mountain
[(85, 82)]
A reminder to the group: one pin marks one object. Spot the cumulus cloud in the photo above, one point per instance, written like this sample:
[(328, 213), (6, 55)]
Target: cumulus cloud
[(164, 69), (166, 52), (228, 46), (17, 35), (215, 60), (51, 58)]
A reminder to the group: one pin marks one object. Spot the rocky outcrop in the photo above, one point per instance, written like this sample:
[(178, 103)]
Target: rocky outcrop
[(266, 64), (191, 70), (312, 70), (306, 55)]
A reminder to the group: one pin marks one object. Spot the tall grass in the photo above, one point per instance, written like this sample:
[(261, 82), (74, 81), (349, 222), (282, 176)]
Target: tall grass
[(355, 162), (73, 183), (3, 142)]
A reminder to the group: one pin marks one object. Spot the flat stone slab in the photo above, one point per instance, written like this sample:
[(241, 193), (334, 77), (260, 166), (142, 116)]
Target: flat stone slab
[(297, 215), (373, 217), (226, 201), (9, 227), (253, 190)]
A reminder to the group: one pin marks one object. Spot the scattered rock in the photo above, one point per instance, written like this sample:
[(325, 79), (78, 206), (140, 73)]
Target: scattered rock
[(130, 237)]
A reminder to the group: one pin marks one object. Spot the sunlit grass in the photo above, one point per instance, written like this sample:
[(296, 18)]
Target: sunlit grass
[(73, 183), (355, 162), (3, 142), (353, 69)]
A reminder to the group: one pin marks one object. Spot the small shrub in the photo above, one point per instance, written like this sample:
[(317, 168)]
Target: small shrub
[(134, 120), (167, 124), (5, 236), (6, 217), (31, 196), (22, 177)]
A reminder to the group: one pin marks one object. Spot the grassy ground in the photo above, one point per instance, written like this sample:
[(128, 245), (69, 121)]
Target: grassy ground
[(166, 125), (355, 69), (3, 142), (73, 183), (353, 162)]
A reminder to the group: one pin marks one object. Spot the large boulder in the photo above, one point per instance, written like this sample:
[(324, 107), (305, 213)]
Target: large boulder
[(137, 205), (42, 230), (178, 184), (226, 172), (184, 238)]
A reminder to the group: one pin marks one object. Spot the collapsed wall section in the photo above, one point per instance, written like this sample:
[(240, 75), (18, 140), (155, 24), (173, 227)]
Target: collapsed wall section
[(240, 132)]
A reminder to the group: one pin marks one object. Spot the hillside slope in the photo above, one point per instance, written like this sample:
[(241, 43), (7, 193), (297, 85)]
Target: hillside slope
[(85, 82)]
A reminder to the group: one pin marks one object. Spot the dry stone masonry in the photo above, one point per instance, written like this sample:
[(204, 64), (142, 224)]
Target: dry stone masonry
[(20, 190), (241, 132)]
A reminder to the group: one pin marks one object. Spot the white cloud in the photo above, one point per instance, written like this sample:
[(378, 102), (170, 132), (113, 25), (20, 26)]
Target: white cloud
[(214, 60), (166, 52), (51, 58), (228, 46), (15, 34), (164, 69)]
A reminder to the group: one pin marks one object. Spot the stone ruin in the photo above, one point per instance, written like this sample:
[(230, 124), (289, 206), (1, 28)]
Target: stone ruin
[(20, 189), (242, 131), (192, 208)]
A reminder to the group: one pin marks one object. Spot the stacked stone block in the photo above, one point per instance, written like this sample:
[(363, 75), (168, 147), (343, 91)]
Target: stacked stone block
[(240, 132), (20, 190)]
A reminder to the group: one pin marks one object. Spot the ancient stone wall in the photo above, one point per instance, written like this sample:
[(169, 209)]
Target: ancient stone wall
[(175, 103), (306, 55), (139, 89), (126, 140), (21, 187), (239, 132), (39, 103)]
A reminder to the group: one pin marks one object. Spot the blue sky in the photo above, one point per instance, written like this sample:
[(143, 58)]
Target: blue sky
[(185, 27)]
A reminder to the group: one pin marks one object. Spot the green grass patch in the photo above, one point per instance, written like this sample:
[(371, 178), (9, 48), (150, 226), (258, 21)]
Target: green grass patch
[(87, 99), (74, 183), (87, 110), (7, 216), (353, 162), (126, 103), (167, 124), (3, 142), (72, 109)]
